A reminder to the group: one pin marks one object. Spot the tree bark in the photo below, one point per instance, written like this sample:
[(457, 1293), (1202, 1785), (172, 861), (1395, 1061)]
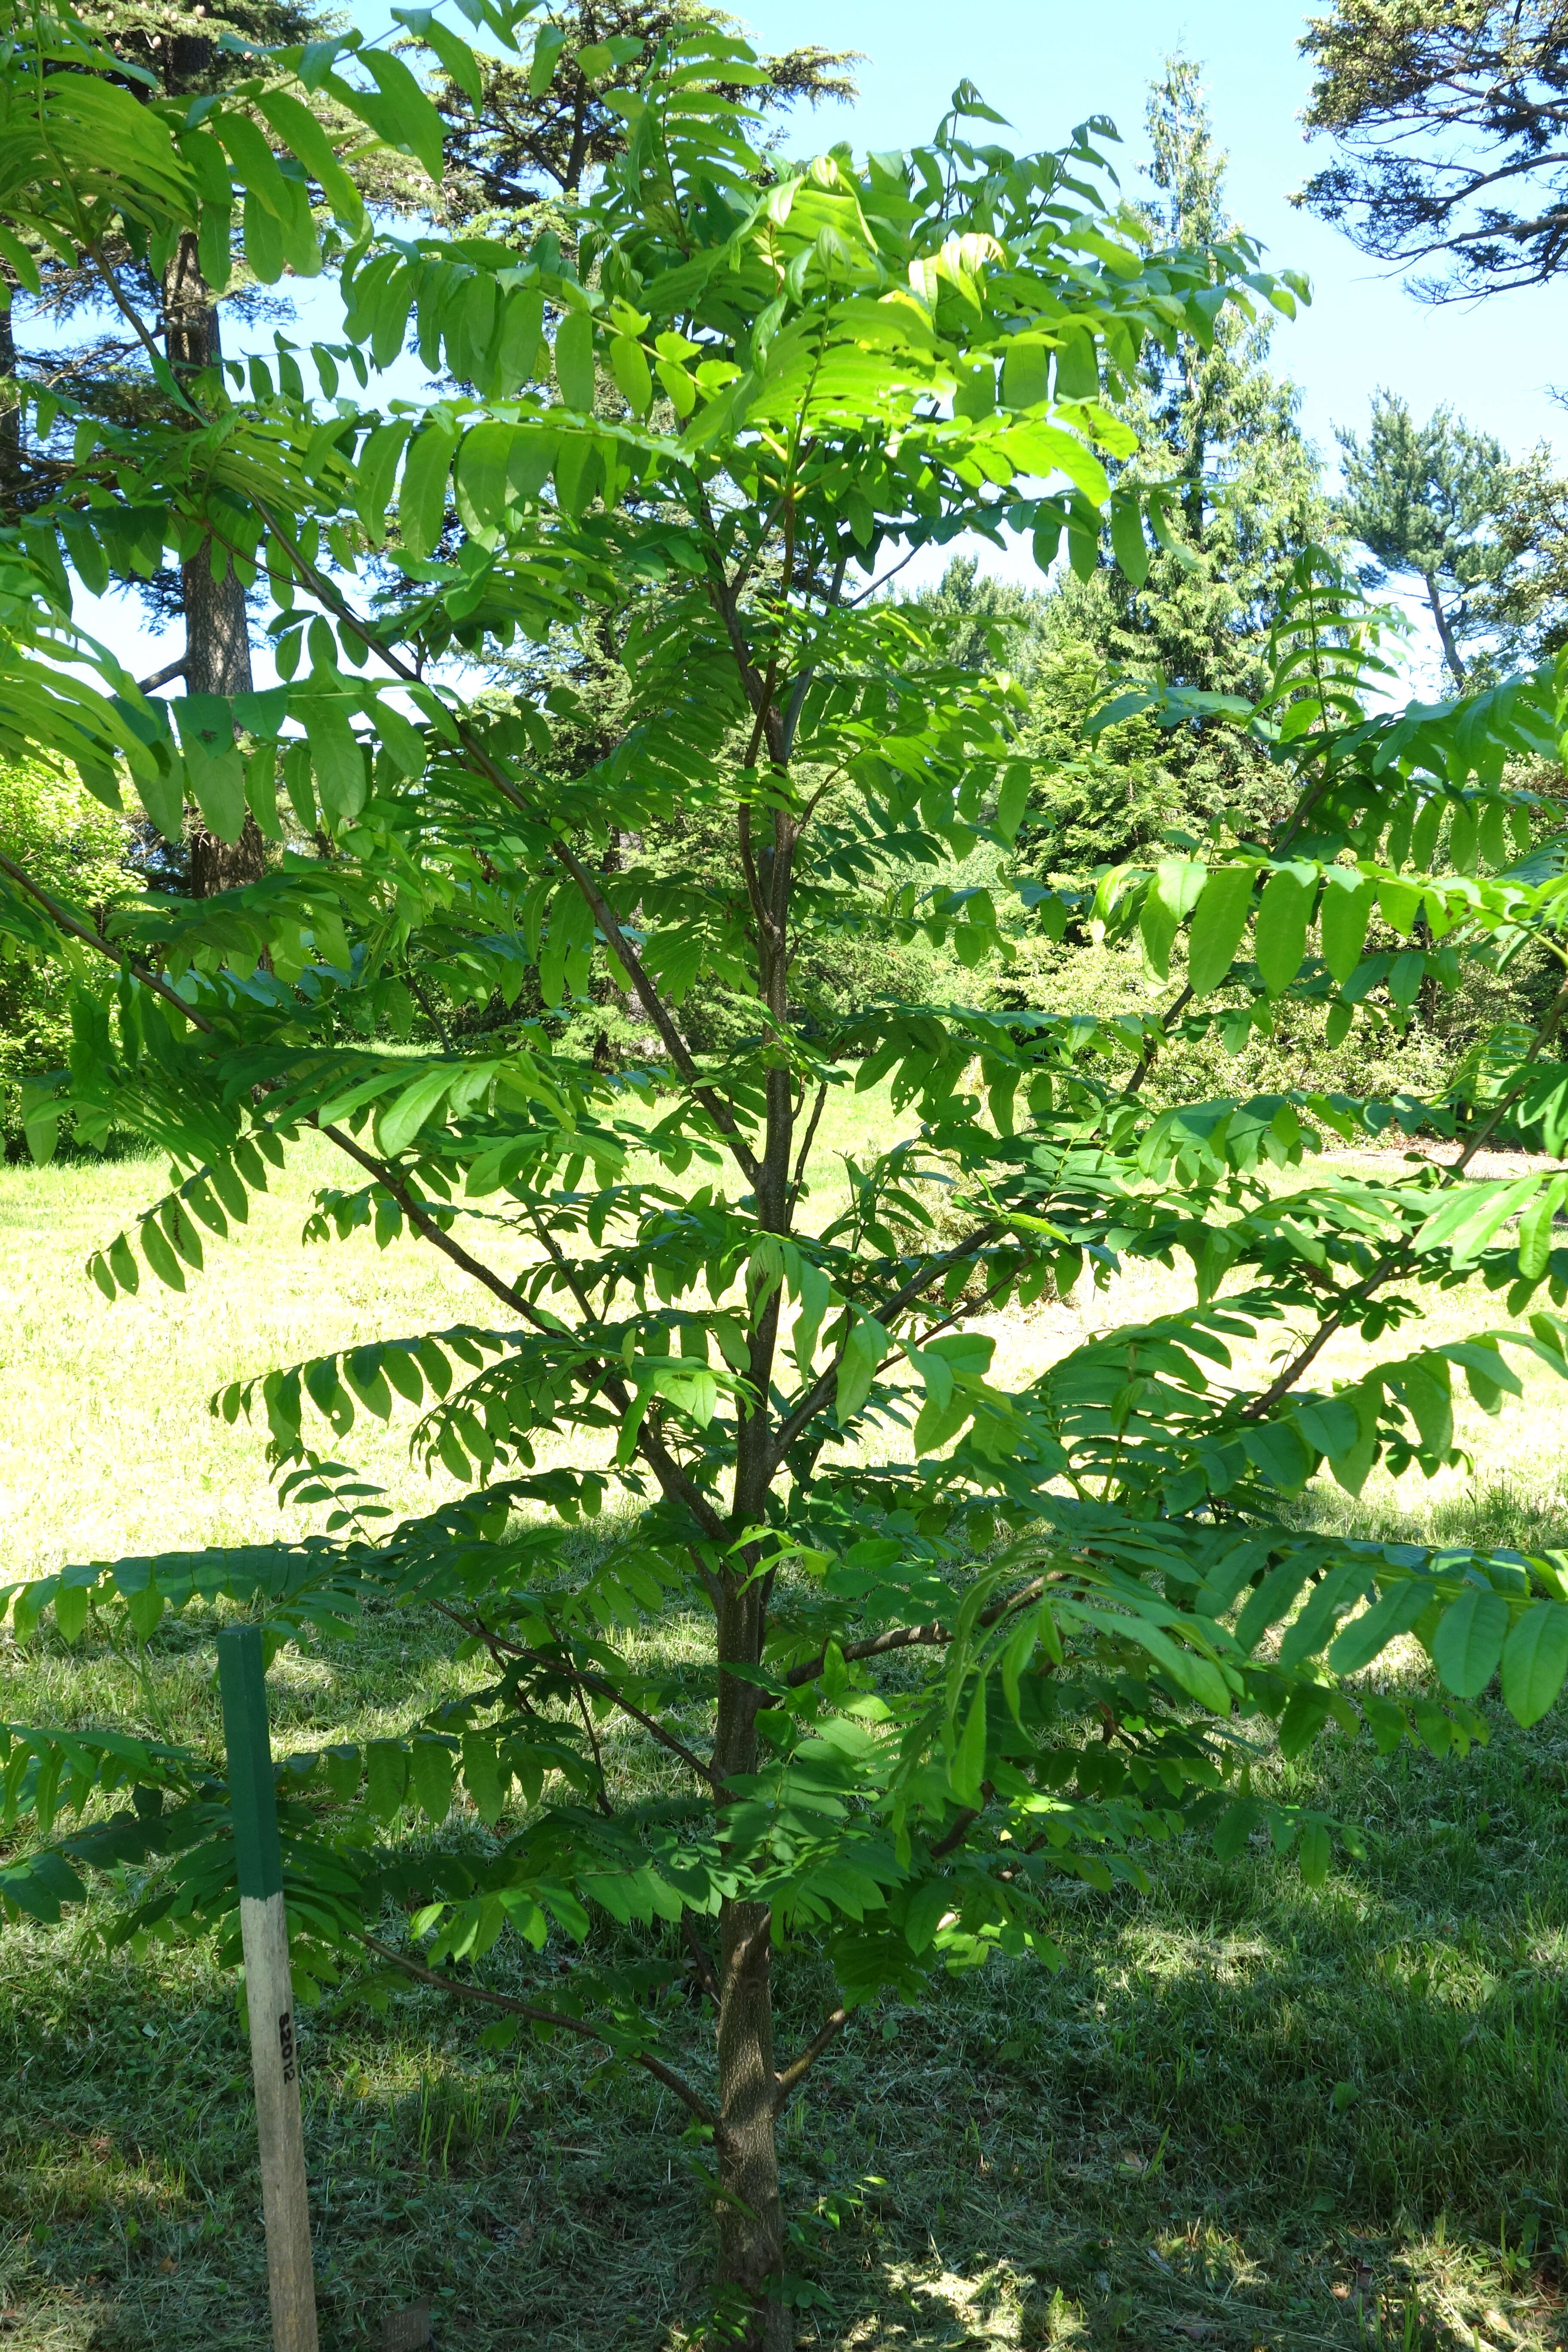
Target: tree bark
[(217, 634), (751, 2214), (10, 418), (1451, 653)]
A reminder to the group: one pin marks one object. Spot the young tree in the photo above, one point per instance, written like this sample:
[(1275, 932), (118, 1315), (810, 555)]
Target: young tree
[(1448, 124), (1428, 501), (902, 1647)]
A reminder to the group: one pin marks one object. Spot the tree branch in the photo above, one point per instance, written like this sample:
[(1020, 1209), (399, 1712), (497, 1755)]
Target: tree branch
[(1151, 1050), (644, 2058), (954, 1835), (701, 1964), (931, 1636), (1394, 1259), (674, 1481), (816, 1396), (583, 1678), (67, 922), (806, 1142), (788, 2082)]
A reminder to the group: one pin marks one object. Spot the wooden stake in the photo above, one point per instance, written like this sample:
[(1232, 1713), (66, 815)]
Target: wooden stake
[(269, 1992)]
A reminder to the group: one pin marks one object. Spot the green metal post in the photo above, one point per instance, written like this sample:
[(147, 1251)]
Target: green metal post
[(269, 1994)]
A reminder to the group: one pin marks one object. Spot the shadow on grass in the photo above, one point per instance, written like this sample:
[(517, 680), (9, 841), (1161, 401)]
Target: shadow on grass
[(1244, 2114)]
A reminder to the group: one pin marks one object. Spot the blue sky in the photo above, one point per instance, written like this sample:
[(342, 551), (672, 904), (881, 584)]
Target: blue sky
[(1046, 64)]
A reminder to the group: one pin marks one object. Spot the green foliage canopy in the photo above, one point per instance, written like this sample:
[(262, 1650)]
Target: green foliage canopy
[(962, 1641)]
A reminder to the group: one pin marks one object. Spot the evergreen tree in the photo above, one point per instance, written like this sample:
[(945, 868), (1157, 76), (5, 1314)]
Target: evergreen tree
[(1529, 601), (536, 136), (988, 622), (1448, 119), (1102, 796), (1221, 432), (1426, 502), (109, 373)]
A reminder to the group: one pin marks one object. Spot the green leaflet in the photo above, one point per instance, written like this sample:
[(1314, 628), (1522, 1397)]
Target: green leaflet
[(399, 110), (1027, 372), (386, 1779), (1535, 1229), (1176, 887), (297, 125), (864, 1350), (968, 1769), (400, 1121), (634, 378), (1283, 913), (376, 469), (336, 759), (481, 478), (1013, 799), (1535, 1660), (421, 498), (433, 1766), (574, 360), (1394, 1612), (1347, 901), (213, 763), (1219, 924), (1469, 1642)]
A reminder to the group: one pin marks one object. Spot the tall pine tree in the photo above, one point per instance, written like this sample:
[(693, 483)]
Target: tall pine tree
[(1221, 432), (179, 54)]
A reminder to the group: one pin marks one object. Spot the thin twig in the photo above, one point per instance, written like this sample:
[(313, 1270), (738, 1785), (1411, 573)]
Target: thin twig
[(582, 1678), (931, 1636), (793, 1196), (816, 1396), (1152, 1047), (416, 990), (579, 2025), (701, 1962), (160, 364), (954, 1836), (600, 1794), (67, 923)]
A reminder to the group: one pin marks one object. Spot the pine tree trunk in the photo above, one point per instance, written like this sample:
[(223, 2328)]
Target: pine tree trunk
[(217, 634)]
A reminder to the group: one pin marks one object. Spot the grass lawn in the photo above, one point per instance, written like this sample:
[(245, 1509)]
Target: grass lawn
[(1242, 2114)]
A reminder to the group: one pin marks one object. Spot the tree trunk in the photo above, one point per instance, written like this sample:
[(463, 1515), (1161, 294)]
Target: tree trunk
[(1451, 653), (751, 2216), (10, 418), (217, 635)]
